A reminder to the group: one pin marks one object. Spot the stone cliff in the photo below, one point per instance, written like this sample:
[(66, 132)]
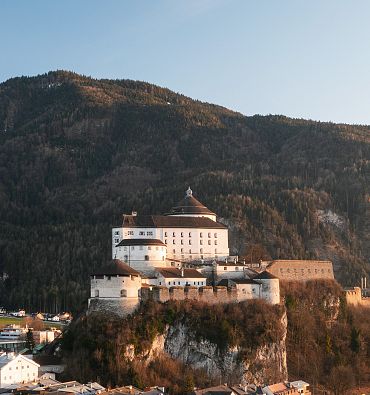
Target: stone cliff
[(232, 364)]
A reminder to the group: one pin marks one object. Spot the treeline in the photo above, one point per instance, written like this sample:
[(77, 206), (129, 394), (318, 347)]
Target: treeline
[(75, 153)]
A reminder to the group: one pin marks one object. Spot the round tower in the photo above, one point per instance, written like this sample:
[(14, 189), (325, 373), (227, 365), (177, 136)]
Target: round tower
[(270, 288)]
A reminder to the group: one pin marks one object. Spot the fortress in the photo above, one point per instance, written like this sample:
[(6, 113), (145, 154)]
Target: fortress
[(184, 255)]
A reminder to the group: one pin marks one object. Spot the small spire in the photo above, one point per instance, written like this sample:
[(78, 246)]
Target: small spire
[(189, 192)]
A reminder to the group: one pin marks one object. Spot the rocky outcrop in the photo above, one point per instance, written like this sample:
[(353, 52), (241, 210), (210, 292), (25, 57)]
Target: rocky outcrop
[(231, 364)]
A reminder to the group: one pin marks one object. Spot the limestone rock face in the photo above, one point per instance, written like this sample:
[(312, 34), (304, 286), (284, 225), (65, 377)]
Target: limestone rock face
[(231, 364)]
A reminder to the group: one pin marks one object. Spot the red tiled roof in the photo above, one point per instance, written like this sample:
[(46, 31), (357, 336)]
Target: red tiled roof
[(117, 267)]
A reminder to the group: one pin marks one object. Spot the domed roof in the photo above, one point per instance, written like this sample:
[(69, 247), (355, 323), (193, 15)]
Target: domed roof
[(190, 205)]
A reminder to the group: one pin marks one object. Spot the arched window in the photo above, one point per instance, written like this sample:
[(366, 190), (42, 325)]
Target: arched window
[(147, 257), (123, 293), (96, 293)]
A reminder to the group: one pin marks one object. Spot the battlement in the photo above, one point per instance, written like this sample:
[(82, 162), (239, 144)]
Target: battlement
[(210, 295)]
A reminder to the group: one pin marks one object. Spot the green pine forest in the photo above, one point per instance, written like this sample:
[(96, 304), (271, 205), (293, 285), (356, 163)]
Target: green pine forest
[(76, 153)]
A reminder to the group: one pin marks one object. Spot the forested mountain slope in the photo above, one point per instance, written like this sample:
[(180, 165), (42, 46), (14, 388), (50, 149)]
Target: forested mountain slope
[(75, 153)]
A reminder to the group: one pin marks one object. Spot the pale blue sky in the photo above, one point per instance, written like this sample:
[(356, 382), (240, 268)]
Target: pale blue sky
[(301, 58)]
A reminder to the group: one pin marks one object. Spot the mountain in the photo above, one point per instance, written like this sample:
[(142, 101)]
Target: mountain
[(76, 153)]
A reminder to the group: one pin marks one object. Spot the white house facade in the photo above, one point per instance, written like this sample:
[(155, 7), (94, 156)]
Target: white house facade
[(16, 369)]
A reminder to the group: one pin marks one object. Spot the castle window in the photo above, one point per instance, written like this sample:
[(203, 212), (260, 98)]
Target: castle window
[(200, 234), (182, 234), (215, 242), (96, 293), (236, 269), (194, 282), (201, 242), (209, 242), (189, 251), (201, 257), (189, 234), (178, 282), (130, 232), (182, 250), (149, 248), (109, 278), (146, 257), (165, 234), (160, 283), (123, 293), (165, 242), (215, 235), (132, 248), (209, 235), (201, 250), (116, 240), (225, 268), (116, 233), (189, 242), (173, 234), (173, 242), (215, 250), (141, 233), (182, 241), (149, 233), (125, 257)]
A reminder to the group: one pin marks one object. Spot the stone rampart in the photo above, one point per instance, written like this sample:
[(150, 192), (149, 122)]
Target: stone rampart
[(210, 295), (301, 270)]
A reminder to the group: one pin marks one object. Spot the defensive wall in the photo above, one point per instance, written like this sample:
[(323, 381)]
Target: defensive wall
[(301, 270), (210, 295), (354, 297)]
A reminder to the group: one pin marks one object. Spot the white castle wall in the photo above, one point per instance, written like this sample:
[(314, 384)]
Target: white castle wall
[(115, 286), (182, 243)]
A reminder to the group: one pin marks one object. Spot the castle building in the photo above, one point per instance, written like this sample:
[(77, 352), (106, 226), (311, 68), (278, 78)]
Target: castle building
[(117, 281), (189, 231)]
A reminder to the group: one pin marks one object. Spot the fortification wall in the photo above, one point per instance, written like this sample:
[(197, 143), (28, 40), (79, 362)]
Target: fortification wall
[(301, 270), (353, 297), (210, 295)]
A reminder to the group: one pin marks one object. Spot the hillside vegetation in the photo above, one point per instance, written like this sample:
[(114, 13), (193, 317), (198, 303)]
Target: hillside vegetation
[(120, 351), (76, 153)]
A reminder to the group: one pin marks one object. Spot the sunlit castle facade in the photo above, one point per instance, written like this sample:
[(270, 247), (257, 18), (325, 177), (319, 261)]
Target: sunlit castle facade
[(190, 231)]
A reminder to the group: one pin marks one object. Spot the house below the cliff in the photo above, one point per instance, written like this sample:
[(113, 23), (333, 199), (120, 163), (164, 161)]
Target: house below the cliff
[(298, 387)]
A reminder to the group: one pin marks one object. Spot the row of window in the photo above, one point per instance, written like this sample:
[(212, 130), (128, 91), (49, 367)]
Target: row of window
[(187, 283), (146, 257), (150, 233), (141, 248), (10, 377), (200, 251), (16, 368), (189, 242), (182, 234)]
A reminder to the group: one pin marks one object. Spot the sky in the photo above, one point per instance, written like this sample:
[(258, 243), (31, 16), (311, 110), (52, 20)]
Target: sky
[(300, 58)]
